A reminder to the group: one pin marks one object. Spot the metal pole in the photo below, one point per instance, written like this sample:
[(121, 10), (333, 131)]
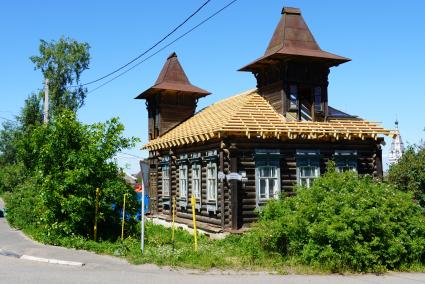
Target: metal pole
[(172, 225), (123, 218), (46, 101), (142, 245)]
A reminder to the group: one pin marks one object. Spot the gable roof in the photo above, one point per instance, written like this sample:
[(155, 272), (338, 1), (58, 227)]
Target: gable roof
[(293, 39), (173, 79), (249, 115)]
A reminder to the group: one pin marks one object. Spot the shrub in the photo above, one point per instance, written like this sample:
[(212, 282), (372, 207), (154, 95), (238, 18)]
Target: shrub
[(67, 161), (345, 222), (409, 173), (11, 175), (23, 205)]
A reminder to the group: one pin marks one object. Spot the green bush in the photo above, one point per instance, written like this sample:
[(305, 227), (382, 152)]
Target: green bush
[(11, 175), (23, 205), (409, 173), (345, 222), (67, 161)]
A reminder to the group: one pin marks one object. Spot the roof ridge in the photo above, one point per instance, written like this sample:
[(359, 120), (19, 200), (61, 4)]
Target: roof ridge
[(214, 117)]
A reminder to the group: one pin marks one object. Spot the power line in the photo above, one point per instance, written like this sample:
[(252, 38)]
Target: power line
[(5, 118), (149, 49), (130, 155), (164, 47)]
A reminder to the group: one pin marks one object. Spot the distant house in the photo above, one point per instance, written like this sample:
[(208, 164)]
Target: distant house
[(238, 153)]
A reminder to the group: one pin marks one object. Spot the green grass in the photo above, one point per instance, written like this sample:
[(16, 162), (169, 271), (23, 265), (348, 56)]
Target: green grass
[(235, 252), (229, 253)]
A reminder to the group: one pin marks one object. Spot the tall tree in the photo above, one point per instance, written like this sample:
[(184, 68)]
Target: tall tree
[(8, 135), (31, 114), (62, 62)]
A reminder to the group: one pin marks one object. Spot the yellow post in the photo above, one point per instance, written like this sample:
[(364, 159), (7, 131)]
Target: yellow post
[(96, 210), (172, 224), (123, 218), (193, 200), (174, 214)]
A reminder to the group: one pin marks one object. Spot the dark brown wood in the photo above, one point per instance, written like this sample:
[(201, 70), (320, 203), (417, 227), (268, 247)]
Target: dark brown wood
[(234, 189), (222, 209)]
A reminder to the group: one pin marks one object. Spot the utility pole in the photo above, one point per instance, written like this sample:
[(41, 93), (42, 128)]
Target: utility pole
[(46, 101)]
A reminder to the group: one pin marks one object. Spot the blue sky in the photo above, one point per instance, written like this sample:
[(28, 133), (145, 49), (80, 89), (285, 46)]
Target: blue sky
[(384, 39)]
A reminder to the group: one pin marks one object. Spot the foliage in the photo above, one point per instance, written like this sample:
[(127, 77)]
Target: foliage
[(12, 171), (8, 137), (345, 222), (228, 253), (23, 205), (409, 173), (67, 161), (62, 62), (31, 114), (11, 175)]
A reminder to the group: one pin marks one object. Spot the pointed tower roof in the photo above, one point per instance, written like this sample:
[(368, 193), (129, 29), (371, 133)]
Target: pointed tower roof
[(173, 79), (397, 146), (293, 39)]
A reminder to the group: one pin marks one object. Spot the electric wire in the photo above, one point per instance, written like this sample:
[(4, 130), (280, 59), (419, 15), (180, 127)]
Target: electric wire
[(164, 47), (149, 49), (8, 119)]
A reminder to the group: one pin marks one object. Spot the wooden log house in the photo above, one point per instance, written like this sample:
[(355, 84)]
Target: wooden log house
[(275, 136)]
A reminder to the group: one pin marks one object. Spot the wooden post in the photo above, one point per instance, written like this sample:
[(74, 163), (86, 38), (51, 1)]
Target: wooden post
[(378, 162), (96, 210), (222, 188), (195, 234), (235, 191)]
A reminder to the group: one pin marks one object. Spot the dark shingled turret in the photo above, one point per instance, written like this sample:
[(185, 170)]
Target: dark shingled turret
[(292, 39), (173, 79)]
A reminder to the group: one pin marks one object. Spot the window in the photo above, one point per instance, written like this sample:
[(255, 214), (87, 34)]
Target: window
[(307, 174), (293, 97), (183, 182), (345, 160), (212, 181), (308, 166), (166, 181), (318, 99), (267, 173), (196, 181), (268, 182)]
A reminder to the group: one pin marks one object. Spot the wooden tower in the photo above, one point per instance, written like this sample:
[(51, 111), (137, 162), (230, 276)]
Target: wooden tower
[(293, 73), (171, 100)]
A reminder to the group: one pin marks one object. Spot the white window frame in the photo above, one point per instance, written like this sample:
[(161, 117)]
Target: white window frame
[(267, 158), (212, 182), (196, 181), (307, 159), (346, 157), (307, 180), (259, 178), (165, 168), (183, 185)]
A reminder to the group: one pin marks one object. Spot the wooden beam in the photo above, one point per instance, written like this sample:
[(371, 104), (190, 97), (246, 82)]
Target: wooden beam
[(234, 188)]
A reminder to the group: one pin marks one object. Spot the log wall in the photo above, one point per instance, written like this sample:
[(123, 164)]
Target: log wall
[(368, 162)]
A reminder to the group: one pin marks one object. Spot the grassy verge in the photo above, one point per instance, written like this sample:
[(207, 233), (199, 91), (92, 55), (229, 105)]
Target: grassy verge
[(235, 252), (230, 253)]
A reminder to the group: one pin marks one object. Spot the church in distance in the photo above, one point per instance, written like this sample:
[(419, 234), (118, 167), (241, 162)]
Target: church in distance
[(236, 154)]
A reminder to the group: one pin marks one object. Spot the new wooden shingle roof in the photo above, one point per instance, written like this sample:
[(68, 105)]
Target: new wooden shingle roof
[(250, 115)]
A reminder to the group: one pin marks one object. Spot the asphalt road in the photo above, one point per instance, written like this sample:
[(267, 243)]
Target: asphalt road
[(107, 269)]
